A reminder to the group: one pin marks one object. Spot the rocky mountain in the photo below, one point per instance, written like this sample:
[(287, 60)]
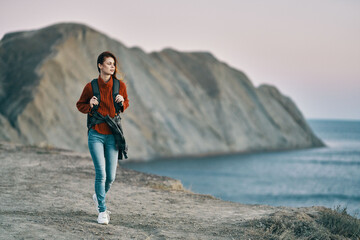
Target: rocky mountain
[(181, 103)]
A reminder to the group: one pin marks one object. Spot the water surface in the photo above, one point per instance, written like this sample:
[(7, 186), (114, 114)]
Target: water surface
[(320, 176)]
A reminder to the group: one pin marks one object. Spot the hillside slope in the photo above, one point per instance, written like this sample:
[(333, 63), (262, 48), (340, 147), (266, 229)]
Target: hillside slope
[(181, 103)]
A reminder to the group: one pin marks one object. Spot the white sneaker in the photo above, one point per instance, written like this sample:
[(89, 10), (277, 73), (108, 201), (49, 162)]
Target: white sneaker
[(103, 218), (96, 202), (108, 214)]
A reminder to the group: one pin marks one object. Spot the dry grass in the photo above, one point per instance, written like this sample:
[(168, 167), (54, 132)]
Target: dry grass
[(173, 185), (328, 224), (339, 222)]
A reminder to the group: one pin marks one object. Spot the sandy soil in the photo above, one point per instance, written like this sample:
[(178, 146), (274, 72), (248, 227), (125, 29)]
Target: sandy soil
[(45, 193)]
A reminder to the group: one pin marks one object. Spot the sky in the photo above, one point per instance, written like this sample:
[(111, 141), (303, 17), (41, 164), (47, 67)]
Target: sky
[(309, 49)]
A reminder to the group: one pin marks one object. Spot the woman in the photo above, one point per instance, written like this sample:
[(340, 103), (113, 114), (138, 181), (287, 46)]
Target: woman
[(101, 142)]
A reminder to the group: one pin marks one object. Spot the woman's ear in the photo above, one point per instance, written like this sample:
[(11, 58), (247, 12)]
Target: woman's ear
[(99, 66)]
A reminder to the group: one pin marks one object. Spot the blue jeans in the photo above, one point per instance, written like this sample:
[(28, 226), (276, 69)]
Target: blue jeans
[(104, 155)]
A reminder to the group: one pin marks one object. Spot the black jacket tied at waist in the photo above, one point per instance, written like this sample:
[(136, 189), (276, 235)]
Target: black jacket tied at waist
[(116, 129)]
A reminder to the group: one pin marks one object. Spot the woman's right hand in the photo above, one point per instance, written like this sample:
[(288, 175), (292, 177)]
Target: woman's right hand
[(93, 101)]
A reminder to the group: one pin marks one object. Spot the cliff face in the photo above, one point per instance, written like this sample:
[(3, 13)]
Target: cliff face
[(180, 102)]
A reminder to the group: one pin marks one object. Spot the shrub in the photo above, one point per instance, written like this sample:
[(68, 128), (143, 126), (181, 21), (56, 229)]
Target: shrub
[(339, 222)]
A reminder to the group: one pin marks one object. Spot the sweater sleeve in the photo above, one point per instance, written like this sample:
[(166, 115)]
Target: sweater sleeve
[(83, 104), (125, 96)]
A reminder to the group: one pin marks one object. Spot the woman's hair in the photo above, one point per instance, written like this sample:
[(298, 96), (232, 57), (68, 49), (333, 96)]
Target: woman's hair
[(101, 60)]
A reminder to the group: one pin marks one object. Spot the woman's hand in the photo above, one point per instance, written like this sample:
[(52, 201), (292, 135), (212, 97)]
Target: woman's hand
[(93, 101), (119, 98)]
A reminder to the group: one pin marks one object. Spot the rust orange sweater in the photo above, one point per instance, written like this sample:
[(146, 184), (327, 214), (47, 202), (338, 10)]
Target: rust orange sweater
[(106, 103)]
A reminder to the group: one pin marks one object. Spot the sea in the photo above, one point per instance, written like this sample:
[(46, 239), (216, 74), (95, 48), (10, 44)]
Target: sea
[(327, 176)]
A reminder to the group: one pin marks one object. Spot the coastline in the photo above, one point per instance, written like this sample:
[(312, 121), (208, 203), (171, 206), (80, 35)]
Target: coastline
[(46, 193), (217, 154)]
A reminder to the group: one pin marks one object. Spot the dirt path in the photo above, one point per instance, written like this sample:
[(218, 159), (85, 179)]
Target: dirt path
[(46, 194)]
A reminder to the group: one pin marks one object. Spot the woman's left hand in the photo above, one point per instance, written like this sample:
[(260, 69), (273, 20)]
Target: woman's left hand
[(119, 98)]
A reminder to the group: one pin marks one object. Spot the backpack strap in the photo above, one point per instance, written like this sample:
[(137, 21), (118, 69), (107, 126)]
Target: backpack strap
[(91, 120), (96, 92), (116, 89)]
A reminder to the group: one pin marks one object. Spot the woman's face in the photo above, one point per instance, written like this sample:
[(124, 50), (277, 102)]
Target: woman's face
[(108, 66)]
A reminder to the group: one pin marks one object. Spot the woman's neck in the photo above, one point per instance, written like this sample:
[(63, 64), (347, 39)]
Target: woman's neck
[(105, 77)]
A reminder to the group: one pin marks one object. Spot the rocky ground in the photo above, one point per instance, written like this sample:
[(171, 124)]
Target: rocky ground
[(45, 193)]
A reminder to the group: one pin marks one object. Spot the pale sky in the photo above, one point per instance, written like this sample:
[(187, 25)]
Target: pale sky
[(309, 49)]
